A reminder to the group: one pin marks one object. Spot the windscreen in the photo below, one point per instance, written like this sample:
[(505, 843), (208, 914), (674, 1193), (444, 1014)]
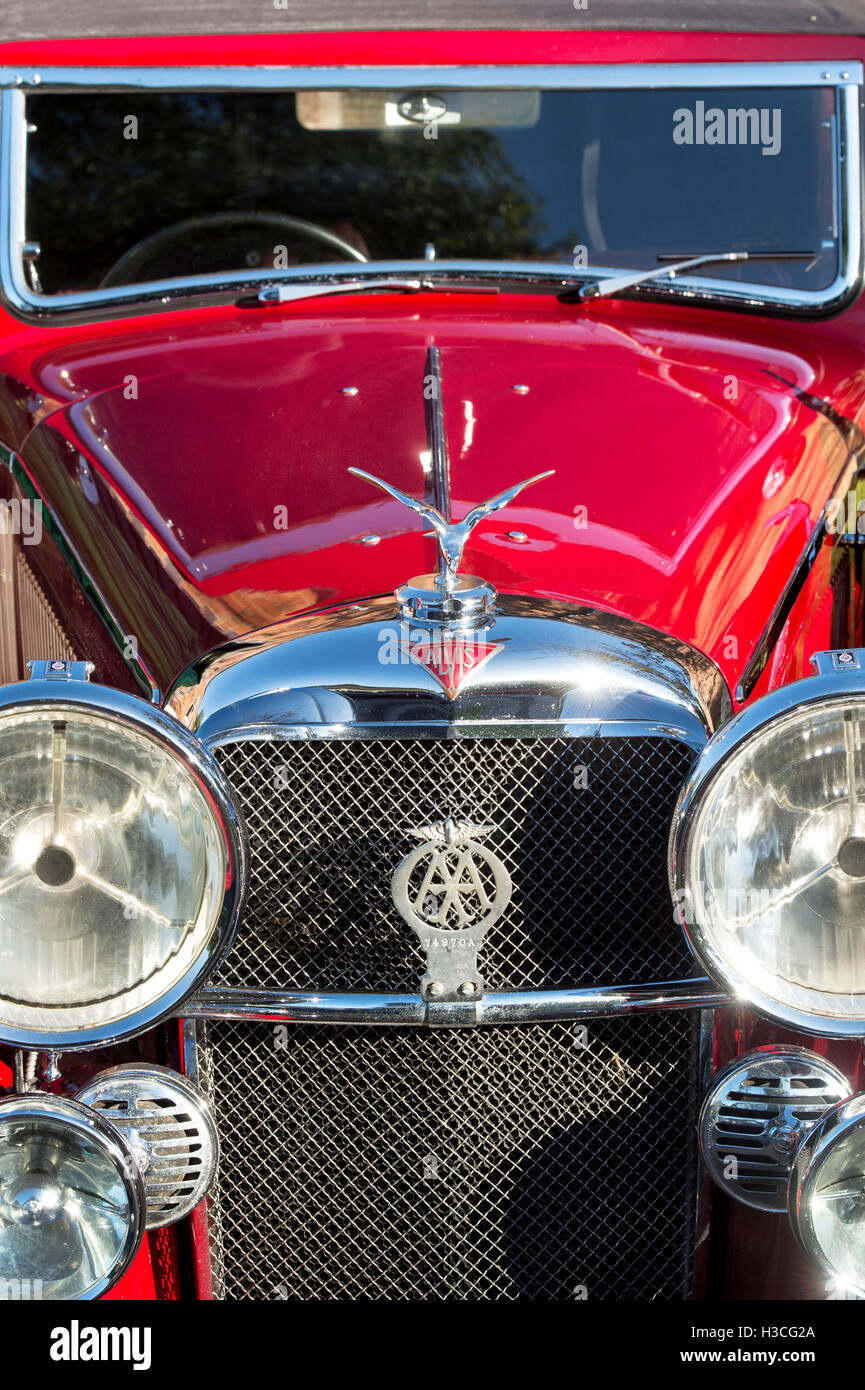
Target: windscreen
[(128, 188)]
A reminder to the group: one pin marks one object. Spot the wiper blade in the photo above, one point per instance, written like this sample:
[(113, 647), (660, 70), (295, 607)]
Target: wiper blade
[(288, 293), (614, 284)]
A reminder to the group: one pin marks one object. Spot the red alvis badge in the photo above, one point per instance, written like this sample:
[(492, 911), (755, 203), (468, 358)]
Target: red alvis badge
[(451, 659)]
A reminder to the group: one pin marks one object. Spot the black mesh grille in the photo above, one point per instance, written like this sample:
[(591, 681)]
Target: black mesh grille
[(486, 1163), (581, 824)]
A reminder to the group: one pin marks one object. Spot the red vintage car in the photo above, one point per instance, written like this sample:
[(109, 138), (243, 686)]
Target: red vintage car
[(432, 784)]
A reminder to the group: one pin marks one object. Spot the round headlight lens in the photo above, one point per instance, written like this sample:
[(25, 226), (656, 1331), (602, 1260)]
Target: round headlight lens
[(827, 1193), (114, 863), (770, 866), (71, 1200)]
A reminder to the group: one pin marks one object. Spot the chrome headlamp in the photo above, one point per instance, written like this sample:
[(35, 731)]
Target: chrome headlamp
[(121, 864), (767, 852), (826, 1198), (71, 1200)]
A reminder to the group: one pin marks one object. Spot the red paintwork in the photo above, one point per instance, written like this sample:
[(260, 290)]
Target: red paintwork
[(697, 504), (139, 1281), (671, 504), (428, 47)]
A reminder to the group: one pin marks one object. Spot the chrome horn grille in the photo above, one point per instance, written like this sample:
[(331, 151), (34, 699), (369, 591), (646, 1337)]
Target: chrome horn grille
[(169, 1128), (755, 1116)]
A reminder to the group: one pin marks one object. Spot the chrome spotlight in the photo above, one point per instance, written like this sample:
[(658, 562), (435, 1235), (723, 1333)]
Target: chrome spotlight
[(168, 1126), (756, 1114), (826, 1198), (71, 1200)]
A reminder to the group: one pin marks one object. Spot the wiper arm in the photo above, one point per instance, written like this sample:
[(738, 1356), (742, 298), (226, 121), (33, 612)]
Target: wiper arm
[(614, 284), (287, 293)]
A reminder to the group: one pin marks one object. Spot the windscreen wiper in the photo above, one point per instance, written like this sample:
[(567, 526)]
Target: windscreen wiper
[(287, 293), (614, 284)]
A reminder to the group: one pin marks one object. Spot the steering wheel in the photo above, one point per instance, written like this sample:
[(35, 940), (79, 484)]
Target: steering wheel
[(125, 270)]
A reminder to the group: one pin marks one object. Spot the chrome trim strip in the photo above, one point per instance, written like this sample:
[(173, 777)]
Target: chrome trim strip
[(562, 76), (436, 434), (14, 84), (777, 621), (190, 1060), (704, 1187), (203, 1220), (463, 728), (848, 477), (511, 276), (520, 1006)]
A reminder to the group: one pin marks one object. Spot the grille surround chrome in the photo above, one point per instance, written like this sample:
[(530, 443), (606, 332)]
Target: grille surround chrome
[(561, 671), (347, 673)]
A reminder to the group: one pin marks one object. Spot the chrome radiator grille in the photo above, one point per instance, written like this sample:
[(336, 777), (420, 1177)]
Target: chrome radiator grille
[(470, 1164), (580, 823)]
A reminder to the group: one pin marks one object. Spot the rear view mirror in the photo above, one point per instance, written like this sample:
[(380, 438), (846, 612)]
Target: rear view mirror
[(354, 110)]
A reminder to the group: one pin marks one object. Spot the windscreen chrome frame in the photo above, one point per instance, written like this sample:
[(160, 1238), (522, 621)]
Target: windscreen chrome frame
[(16, 84)]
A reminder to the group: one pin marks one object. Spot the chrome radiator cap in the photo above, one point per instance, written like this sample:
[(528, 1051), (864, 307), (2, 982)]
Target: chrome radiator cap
[(535, 661)]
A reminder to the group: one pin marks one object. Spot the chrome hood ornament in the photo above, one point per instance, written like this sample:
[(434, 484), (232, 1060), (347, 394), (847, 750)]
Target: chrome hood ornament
[(451, 535), (446, 596)]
